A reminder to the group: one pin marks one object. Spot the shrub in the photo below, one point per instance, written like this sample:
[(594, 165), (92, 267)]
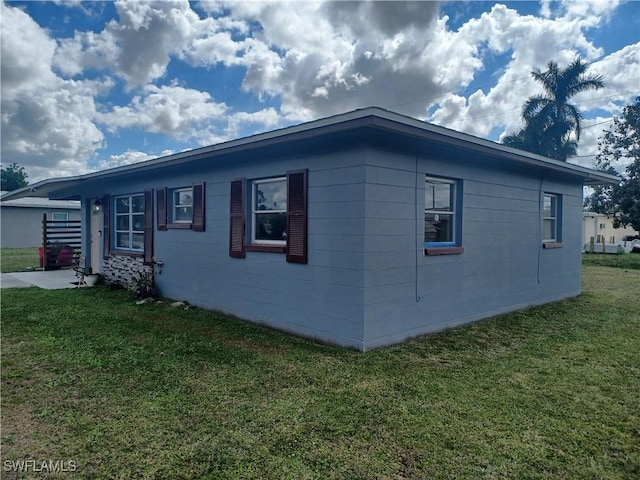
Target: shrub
[(144, 285)]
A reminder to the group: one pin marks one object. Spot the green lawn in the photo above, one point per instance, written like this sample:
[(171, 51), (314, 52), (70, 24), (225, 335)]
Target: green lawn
[(18, 259), (625, 260), (148, 391)]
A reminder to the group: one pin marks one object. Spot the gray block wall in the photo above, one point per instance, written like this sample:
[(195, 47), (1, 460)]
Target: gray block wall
[(367, 282), (22, 226), (504, 266), (320, 300)]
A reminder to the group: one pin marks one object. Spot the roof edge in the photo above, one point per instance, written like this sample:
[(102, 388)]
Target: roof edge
[(371, 116)]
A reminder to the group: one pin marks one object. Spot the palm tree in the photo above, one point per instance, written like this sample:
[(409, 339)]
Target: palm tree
[(552, 124)]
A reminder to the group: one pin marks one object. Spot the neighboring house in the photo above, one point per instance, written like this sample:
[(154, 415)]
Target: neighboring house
[(363, 229), (22, 219), (600, 227)]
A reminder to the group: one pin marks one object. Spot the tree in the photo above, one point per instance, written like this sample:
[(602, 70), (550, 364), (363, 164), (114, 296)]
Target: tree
[(620, 143), (552, 124), (13, 177)]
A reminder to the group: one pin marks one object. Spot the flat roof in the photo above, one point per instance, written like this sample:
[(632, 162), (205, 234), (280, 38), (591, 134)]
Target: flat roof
[(39, 202), (371, 117)]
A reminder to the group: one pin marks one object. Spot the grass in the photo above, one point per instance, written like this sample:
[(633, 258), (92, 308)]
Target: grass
[(623, 260), (149, 391), (18, 259)]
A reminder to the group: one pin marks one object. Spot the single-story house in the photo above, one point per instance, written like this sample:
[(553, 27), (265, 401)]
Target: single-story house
[(21, 219), (599, 226), (363, 229)]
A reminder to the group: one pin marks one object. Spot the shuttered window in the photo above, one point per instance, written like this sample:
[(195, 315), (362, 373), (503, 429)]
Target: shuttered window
[(161, 208), (237, 218), (276, 216), (129, 216), (269, 211), (198, 207), (128, 224), (148, 227), (106, 226), (297, 217), (182, 207)]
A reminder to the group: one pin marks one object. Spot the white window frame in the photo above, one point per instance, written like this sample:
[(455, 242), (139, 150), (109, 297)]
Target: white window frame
[(63, 214), (553, 217), (453, 211), (255, 212), (173, 206), (130, 214)]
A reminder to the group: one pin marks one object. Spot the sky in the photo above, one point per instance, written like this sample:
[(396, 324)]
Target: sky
[(92, 85)]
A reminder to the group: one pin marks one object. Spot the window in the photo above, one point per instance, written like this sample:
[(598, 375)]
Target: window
[(269, 211), (269, 215), (441, 216), (181, 205), (130, 222), (61, 217), (550, 217), (439, 212)]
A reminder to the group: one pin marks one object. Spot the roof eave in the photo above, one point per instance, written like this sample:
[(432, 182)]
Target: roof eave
[(373, 117)]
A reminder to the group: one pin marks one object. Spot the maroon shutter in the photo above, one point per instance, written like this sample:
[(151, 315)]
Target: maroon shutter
[(106, 225), (161, 208), (297, 216), (148, 227), (237, 219), (198, 207)]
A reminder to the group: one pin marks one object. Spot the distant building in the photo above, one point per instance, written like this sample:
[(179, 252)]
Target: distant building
[(600, 227), (21, 219)]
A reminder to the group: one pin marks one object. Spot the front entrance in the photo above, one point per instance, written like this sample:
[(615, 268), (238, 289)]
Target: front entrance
[(96, 242)]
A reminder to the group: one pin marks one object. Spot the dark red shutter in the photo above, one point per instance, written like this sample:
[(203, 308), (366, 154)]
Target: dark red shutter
[(161, 208), (148, 227), (237, 219), (198, 207), (297, 216), (106, 225)]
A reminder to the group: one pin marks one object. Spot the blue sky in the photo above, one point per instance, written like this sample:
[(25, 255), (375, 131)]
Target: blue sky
[(92, 85)]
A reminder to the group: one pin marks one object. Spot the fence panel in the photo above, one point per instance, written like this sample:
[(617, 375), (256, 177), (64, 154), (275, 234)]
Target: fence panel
[(61, 242)]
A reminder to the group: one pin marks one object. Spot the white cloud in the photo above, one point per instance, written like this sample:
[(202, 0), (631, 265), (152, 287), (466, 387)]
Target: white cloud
[(171, 110), (309, 59), (261, 120), (47, 122), (337, 56), (136, 47), (127, 158), (139, 45), (595, 11), (187, 115), (533, 42)]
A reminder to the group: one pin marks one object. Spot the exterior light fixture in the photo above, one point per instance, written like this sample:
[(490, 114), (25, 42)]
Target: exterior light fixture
[(97, 206)]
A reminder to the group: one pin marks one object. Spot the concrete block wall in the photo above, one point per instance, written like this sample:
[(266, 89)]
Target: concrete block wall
[(504, 265)]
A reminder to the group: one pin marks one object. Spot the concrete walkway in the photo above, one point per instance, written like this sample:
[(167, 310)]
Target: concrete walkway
[(50, 280)]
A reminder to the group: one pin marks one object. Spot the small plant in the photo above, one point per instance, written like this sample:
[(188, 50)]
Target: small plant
[(144, 286)]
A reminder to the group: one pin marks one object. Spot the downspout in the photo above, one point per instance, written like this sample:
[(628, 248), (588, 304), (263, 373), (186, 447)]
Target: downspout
[(540, 222), (417, 233)]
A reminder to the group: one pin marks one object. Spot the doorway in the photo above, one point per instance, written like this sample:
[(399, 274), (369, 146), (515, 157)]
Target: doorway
[(96, 241)]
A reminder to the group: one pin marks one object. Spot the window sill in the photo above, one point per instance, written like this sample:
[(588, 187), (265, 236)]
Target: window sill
[(443, 250), (127, 253), (265, 248), (179, 226), (546, 245)]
